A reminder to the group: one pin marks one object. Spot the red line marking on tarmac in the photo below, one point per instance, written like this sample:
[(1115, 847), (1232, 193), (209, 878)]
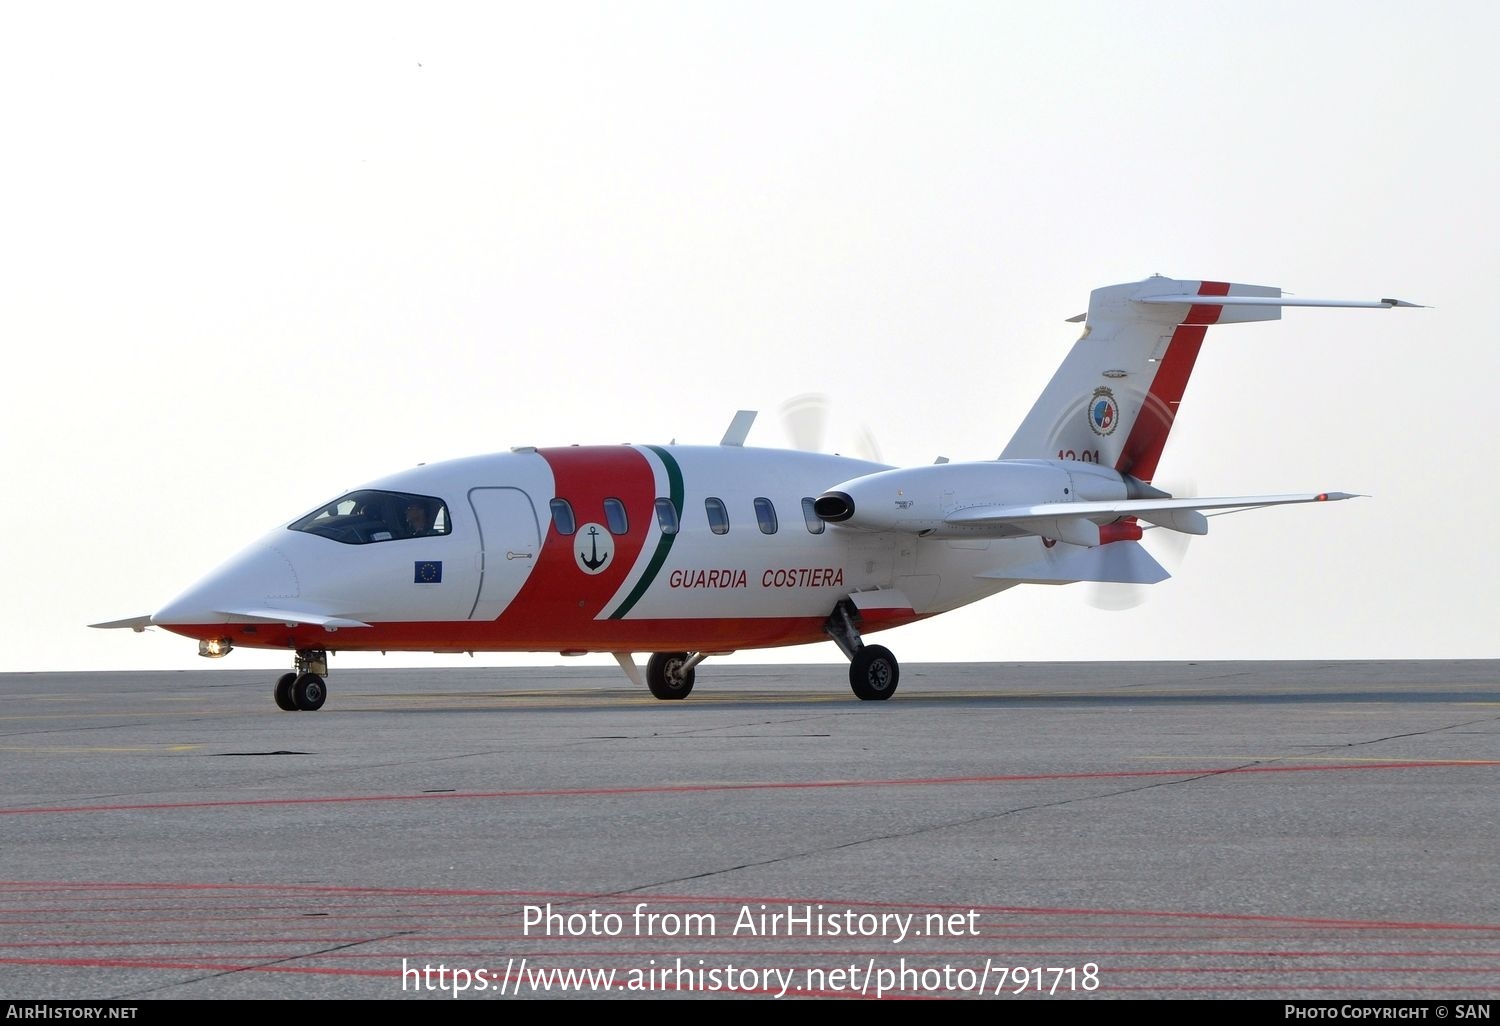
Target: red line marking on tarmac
[(664, 789), (630, 959), (352, 908), (1280, 922), (1116, 925), (1248, 988)]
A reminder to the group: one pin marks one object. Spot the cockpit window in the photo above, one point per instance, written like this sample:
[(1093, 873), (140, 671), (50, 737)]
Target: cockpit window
[(360, 518)]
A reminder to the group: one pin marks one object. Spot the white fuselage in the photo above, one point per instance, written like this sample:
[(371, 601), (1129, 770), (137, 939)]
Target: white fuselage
[(512, 574)]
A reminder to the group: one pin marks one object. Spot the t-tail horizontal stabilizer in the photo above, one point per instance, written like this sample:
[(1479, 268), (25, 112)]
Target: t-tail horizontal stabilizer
[(1196, 300)]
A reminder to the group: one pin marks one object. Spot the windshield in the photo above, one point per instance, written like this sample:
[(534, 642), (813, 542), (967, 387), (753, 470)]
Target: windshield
[(373, 516)]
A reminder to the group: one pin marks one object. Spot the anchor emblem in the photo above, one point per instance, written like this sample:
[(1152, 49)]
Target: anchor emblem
[(601, 547), (594, 561)]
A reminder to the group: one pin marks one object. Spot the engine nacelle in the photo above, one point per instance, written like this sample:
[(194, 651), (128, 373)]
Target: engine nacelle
[(917, 500)]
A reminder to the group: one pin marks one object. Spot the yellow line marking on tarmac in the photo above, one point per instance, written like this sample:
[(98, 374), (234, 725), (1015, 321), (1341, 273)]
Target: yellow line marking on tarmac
[(613, 698), (95, 749), (71, 716)]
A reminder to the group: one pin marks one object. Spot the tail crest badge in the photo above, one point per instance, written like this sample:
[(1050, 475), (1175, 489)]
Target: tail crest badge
[(1104, 413)]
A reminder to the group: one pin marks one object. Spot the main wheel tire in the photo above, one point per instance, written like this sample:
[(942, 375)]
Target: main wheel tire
[(309, 692), (874, 673), (284, 698), (665, 678)]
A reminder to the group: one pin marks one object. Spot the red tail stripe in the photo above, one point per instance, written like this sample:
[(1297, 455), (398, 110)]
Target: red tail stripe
[(1148, 436)]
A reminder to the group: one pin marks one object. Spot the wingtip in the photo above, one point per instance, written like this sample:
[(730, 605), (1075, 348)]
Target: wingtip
[(135, 623)]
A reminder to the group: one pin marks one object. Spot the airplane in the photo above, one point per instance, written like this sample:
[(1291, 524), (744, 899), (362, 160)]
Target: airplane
[(690, 551)]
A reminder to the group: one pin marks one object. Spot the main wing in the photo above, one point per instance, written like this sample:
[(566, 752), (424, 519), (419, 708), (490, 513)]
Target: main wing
[(1075, 522)]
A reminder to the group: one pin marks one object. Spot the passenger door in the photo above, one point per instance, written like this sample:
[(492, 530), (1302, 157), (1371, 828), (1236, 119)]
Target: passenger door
[(510, 537)]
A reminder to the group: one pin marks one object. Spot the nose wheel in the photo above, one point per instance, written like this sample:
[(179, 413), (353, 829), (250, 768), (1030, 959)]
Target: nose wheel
[(304, 689), (670, 675)]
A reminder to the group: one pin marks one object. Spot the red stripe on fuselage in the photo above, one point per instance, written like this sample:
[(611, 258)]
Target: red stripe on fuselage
[(1148, 436), (559, 596), (657, 635)]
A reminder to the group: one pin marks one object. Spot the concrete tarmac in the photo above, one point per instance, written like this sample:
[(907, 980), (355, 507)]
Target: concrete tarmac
[(1284, 830)]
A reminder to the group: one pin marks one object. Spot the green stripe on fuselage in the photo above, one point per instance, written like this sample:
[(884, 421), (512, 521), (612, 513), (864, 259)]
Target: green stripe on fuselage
[(664, 543)]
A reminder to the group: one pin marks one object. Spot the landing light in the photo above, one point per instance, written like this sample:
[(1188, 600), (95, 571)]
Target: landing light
[(215, 648)]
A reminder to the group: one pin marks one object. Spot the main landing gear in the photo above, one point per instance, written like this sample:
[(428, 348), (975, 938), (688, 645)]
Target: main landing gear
[(304, 690), (873, 671)]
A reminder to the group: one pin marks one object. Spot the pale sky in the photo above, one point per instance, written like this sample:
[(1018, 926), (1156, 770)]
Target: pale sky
[(252, 256)]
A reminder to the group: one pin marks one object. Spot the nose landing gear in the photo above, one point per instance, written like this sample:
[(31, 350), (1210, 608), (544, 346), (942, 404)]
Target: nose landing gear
[(670, 675)]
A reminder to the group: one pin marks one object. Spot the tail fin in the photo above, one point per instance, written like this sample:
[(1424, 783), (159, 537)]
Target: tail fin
[(1115, 396)]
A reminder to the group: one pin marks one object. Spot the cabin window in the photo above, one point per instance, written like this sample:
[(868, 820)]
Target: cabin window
[(666, 516), (614, 516), (562, 517), (765, 516), (367, 516), (718, 516), (814, 522)]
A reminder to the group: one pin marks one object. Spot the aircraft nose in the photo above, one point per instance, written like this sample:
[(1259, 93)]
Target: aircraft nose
[(259, 576)]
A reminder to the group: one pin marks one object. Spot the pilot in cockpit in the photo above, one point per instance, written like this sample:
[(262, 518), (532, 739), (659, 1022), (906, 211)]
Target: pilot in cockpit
[(418, 520)]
